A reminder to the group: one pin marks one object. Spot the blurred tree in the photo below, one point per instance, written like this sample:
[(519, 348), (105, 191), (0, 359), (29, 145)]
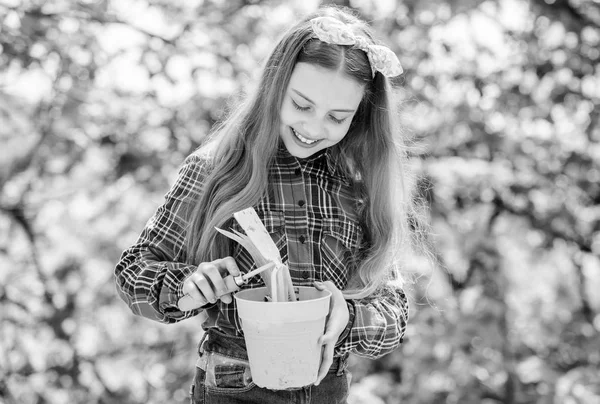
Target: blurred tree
[(505, 94), (101, 101)]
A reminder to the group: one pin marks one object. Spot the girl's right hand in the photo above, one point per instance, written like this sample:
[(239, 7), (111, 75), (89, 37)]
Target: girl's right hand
[(207, 284)]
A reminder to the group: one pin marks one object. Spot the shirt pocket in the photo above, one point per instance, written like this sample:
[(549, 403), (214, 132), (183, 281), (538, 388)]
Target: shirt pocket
[(340, 247), (274, 222)]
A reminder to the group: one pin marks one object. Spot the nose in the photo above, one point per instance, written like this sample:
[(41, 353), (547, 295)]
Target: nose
[(314, 128)]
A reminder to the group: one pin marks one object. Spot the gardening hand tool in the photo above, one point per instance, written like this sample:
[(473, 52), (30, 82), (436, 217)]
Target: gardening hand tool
[(233, 283)]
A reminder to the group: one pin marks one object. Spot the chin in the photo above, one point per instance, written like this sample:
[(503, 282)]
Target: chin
[(300, 152)]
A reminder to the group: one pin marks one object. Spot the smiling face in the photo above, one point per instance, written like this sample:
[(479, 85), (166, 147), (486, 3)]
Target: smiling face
[(317, 109)]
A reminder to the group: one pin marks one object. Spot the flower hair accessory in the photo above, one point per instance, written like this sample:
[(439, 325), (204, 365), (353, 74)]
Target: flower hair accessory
[(333, 31)]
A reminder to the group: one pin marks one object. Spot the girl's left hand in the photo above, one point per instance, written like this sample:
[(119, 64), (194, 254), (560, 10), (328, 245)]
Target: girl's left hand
[(337, 320)]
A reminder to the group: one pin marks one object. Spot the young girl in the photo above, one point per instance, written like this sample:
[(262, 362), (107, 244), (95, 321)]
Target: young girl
[(315, 151)]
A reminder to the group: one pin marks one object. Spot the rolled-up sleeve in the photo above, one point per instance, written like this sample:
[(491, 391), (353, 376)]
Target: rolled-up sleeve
[(150, 273), (377, 323)]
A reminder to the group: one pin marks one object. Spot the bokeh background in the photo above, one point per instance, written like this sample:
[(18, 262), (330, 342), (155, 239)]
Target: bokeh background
[(100, 102)]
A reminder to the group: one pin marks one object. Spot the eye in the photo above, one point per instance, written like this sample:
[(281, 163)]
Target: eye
[(338, 121), (298, 107)]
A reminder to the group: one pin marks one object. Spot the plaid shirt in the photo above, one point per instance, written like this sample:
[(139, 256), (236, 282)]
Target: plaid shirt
[(310, 212)]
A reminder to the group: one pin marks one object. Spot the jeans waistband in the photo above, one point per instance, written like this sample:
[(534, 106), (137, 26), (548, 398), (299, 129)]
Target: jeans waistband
[(215, 340), (232, 346)]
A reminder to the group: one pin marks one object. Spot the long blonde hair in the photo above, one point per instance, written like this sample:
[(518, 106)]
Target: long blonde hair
[(243, 147)]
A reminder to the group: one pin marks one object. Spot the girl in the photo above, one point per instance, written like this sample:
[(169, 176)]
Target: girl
[(313, 150)]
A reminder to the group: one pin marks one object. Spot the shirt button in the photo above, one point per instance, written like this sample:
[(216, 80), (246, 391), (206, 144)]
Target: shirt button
[(297, 171), (301, 203), (302, 239), (305, 274)]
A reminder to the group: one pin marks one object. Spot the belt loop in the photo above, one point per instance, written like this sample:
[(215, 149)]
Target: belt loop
[(201, 348), (342, 364)]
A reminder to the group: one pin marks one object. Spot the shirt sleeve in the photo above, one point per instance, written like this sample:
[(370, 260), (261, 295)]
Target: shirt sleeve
[(377, 323), (150, 273)]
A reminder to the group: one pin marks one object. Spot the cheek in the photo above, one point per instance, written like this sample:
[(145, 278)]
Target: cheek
[(286, 114), (338, 132)]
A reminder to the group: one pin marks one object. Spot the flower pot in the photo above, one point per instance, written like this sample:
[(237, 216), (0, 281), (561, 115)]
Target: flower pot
[(282, 337)]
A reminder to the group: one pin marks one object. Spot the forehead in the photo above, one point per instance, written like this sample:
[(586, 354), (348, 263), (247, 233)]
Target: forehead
[(328, 89)]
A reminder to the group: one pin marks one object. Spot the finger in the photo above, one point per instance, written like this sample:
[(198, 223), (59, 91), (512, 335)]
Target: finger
[(230, 284), (330, 286), (219, 288), (190, 289), (187, 303), (204, 286), (328, 337), (226, 298), (326, 361), (320, 286), (334, 327), (229, 264), (325, 285)]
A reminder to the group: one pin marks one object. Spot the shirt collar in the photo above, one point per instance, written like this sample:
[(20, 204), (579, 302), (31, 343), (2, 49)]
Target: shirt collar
[(322, 157)]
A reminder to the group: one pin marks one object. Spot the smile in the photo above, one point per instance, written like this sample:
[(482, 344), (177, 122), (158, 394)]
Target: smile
[(302, 138)]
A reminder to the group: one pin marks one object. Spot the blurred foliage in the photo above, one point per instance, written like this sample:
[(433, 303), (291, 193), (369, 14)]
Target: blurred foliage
[(101, 101)]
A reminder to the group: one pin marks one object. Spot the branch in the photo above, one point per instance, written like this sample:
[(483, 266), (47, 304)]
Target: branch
[(114, 20), (455, 283), (17, 214), (586, 308), (4, 299), (547, 228), (564, 8)]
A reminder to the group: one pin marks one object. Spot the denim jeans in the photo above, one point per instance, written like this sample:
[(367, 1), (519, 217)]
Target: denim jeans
[(223, 376)]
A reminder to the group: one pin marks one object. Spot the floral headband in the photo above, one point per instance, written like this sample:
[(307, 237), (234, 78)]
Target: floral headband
[(333, 31)]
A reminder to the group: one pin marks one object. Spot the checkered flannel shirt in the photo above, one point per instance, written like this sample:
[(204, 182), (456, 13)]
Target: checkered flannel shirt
[(310, 212)]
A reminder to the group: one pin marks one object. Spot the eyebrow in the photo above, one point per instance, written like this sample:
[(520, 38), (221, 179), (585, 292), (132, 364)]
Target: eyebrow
[(312, 102)]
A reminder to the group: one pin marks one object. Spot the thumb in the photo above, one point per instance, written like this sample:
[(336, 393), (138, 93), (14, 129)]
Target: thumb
[(326, 338), (319, 285), (226, 298)]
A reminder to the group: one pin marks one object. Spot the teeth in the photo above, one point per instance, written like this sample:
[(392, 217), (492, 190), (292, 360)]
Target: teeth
[(302, 138)]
